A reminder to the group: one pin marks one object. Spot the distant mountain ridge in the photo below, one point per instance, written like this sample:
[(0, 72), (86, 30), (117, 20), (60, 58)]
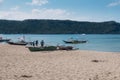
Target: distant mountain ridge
[(33, 26)]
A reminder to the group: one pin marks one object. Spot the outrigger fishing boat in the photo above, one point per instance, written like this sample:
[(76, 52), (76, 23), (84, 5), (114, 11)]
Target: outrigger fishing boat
[(49, 48), (21, 41), (17, 43), (74, 41), (45, 48), (4, 40), (65, 48)]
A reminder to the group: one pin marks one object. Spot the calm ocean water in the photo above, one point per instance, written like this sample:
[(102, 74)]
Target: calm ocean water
[(108, 43)]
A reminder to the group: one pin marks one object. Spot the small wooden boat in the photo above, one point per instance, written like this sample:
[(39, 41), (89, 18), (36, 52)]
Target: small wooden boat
[(49, 48), (17, 43), (65, 48), (75, 41), (45, 48)]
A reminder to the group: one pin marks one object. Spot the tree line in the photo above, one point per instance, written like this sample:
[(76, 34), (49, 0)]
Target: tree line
[(33, 26)]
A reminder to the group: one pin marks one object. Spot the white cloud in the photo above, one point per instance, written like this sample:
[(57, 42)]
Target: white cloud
[(51, 13), (35, 14), (15, 8), (1, 1), (12, 15), (60, 14), (38, 2), (114, 3)]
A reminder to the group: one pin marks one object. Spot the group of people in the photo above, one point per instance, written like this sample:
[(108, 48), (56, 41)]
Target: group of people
[(36, 43)]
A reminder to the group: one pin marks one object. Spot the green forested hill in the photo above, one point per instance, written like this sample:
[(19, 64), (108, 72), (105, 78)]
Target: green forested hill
[(58, 27)]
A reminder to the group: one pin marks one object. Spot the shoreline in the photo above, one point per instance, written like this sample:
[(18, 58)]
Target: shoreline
[(17, 62), (2, 44)]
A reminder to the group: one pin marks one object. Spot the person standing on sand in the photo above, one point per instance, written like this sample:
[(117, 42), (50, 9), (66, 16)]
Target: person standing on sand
[(36, 42), (33, 43), (42, 43)]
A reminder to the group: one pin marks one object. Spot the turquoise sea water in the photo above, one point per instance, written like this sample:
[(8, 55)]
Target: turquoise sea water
[(107, 43)]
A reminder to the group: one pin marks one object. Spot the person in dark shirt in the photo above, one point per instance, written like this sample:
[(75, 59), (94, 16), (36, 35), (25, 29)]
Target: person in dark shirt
[(36, 42), (42, 43), (33, 44)]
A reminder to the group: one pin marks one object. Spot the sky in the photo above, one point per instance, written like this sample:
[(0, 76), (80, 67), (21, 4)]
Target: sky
[(77, 10)]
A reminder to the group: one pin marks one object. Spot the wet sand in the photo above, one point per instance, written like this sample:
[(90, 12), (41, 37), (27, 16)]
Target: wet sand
[(18, 63)]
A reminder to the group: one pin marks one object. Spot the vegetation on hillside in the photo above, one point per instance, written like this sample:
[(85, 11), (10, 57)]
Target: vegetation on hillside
[(58, 27)]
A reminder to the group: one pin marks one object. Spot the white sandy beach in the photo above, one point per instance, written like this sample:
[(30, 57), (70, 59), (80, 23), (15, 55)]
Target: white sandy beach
[(18, 63)]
